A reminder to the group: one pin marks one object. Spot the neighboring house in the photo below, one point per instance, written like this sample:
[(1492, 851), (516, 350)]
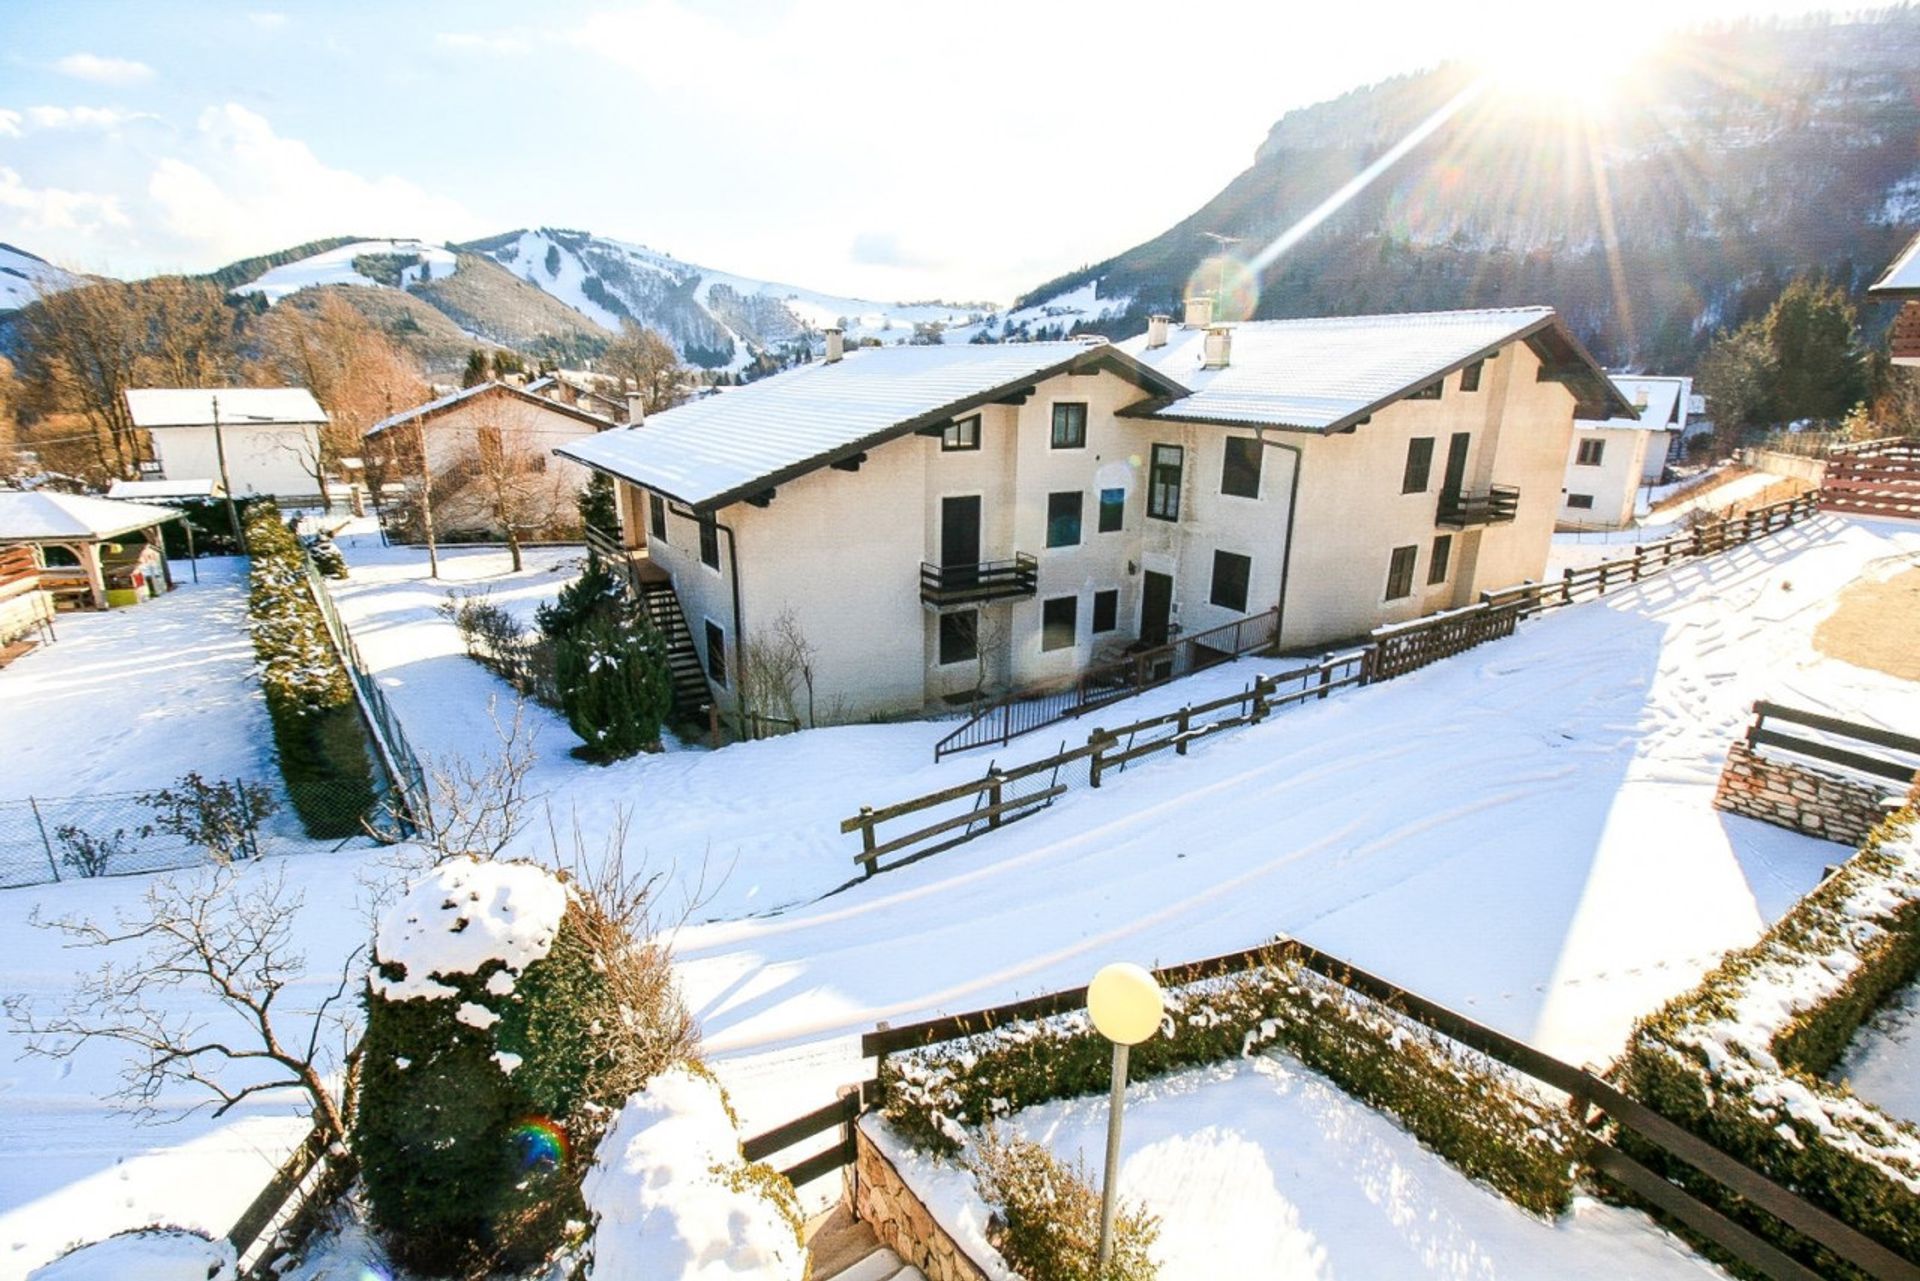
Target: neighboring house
[(596, 393), (91, 551), (270, 435), (1901, 284), (934, 520), (1611, 459), (490, 449)]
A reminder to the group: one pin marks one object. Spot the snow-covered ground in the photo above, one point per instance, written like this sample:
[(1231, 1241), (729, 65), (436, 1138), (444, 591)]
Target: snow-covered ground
[(126, 700), (335, 267), (1263, 1168), (1577, 549), (1883, 1063)]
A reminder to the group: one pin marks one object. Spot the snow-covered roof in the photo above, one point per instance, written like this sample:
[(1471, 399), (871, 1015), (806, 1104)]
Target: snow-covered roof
[(1660, 403), (1902, 279), (237, 406), (1328, 372), (465, 394), (40, 517), (725, 447), (136, 489)]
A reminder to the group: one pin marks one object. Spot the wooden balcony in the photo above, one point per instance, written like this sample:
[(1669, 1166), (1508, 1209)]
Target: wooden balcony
[(1906, 335), (1496, 505), (971, 584)]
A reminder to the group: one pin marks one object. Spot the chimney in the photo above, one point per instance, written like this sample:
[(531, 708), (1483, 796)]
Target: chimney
[(836, 344), (1156, 331), (1219, 347), (636, 409), (1199, 313)]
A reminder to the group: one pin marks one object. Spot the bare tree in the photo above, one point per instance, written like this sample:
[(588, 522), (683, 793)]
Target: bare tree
[(478, 807), (520, 493), (216, 936), (989, 638), (771, 663), (643, 359), (804, 654)]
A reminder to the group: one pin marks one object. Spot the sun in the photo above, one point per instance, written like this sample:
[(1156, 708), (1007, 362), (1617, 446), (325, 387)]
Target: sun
[(1531, 62)]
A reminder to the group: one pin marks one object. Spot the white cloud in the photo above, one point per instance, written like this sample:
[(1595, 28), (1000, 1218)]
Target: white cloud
[(45, 210), (266, 20), (500, 42), (72, 118), (119, 72), (9, 123)]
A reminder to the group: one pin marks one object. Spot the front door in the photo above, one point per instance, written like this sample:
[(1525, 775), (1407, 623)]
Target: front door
[(1156, 608), (959, 539), (1457, 464)]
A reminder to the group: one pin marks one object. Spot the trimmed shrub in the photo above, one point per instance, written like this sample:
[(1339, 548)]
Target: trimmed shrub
[(151, 1254), (1741, 1059), (327, 557), (321, 745), (671, 1195), (508, 1016), (220, 817), (1047, 1221), (615, 685), (1468, 1109)]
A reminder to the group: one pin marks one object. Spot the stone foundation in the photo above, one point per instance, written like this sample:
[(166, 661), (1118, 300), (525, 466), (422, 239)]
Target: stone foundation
[(883, 1200), (1800, 798)]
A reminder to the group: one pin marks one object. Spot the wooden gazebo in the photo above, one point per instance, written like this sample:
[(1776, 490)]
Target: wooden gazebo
[(92, 551)]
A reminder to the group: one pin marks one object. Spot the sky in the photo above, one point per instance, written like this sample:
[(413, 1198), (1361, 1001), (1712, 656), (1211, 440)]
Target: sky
[(966, 150)]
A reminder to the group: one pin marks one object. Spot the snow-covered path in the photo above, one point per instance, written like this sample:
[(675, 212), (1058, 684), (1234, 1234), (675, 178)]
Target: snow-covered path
[(1524, 832)]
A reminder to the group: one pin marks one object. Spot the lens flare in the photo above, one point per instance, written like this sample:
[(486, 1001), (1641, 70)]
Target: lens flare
[(541, 1142)]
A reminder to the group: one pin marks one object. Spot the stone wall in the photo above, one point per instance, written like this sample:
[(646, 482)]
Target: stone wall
[(883, 1200), (1799, 797)]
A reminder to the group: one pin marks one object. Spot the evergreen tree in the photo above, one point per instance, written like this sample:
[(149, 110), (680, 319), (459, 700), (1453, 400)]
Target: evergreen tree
[(478, 369), (615, 685), (1818, 371), (597, 509), (1736, 377)]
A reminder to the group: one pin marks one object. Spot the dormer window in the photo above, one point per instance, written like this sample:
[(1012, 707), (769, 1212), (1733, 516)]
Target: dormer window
[(1429, 392), (1470, 376), (962, 434)]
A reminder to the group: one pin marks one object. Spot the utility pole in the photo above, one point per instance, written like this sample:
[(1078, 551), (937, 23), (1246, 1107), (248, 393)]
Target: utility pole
[(226, 486)]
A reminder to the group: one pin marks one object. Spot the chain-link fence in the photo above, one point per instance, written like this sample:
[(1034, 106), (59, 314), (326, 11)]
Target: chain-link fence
[(176, 825)]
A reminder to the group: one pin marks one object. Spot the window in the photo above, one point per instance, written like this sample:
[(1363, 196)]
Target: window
[(1419, 465), (1470, 377), (716, 653), (1063, 519), (709, 541), (1163, 482), (1230, 573), (1429, 392), (1113, 510), (1240, 472), (657, 516), (1582, 501), (1437, 564), (962, 434), (1400, 572), (1070, 426), (1059, 622), (54, 556), (1590, 453), (1106, 610), (960, 637)]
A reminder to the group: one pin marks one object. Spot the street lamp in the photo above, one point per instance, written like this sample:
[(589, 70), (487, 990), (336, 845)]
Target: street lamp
[(1125, 1004)]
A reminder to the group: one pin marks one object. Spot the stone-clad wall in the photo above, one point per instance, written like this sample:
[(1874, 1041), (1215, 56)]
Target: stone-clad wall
[(1800, 798), (883, 1200)]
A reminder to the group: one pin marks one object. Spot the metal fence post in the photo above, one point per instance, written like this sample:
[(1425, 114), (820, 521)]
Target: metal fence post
[(52, 864)]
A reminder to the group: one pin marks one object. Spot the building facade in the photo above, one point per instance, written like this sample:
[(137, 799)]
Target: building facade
[(1610, 461), (269, 436)]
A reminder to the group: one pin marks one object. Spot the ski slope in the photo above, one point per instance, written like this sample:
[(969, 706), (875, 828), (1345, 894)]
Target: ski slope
[(335, 267)]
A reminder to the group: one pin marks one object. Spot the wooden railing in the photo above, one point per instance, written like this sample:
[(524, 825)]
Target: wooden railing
[(1024, 711), (289, 1207), (1873, 478), (837, 1117), (1399, 648), (1595, 1102), (1498, 505), (1865, 749), (989, 580)]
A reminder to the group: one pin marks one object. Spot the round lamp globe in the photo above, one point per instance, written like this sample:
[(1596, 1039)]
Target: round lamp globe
[(1125, 1003)]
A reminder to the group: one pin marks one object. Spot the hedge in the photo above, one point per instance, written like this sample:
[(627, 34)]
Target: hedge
[(1468, 1109), (321, 744), (1741, 1060)]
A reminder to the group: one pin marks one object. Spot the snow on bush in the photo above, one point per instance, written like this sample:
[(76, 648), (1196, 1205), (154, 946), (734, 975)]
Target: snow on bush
[(463, 914), (1741, 1059), (1468, 1109), (149, 1254), (673, 1199)]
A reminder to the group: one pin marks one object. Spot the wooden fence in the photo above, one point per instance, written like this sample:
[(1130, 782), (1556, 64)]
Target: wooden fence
[(1595, 1102), (289, 1207), (1888, 755), (1874, 478), (1024, 711)]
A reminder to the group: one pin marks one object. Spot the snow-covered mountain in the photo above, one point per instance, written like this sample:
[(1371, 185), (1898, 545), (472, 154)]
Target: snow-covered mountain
[(392, 263), (25, 276), (715, 318)]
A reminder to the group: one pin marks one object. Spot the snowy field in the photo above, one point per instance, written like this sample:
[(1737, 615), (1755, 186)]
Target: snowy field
[(1883, 1063), (1265, 1168), (125, 700), (1577, 549)]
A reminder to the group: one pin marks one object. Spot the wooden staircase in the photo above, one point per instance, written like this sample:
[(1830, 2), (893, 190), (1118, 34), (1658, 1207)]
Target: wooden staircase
[(691, 694)]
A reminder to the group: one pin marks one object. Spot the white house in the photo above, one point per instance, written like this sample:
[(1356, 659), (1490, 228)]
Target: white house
[(499, 430), (932, 519), (1901, 284), (270, 436), (1611, 459)]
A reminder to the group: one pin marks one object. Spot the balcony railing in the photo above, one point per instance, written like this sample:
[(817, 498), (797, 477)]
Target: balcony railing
[(1497, 505), (990, 580)]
